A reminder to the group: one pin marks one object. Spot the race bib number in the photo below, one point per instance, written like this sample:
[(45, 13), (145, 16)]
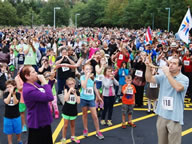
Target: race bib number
[(186, 63), (139, 73), (141, 48), (100, 77), (88, 91), (72, 99), (11, 102), (153, 85), (64, 69), (121, 57), (21, 58), (167, 103), (129, 91), (123, 73), (41, 90)]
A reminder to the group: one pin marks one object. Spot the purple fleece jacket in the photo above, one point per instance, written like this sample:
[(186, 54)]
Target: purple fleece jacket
[(38, 111)]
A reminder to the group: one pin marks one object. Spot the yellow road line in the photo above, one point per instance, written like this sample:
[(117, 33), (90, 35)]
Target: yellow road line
[(187, 108), (57, 131), (61, 123), (186, 132), (111, 128)]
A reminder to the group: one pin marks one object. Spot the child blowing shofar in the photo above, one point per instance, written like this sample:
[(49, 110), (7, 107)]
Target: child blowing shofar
[(128, 101), (69, 110)]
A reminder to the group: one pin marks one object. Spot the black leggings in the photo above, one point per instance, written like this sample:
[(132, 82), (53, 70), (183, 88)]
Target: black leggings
[(41, 135), (108, 106), (139, 95)]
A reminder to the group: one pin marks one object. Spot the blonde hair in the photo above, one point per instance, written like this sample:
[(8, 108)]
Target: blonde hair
[(70, 79), (102, 53)]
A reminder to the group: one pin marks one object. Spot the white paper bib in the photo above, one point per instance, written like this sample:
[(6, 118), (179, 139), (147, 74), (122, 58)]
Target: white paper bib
[(64, 69), (88, 91), (186, 62), (139, 73), (121, 57), (153, 85), (167, 103)]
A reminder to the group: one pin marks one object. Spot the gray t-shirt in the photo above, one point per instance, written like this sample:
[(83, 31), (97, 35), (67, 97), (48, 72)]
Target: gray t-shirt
[(170, 102)]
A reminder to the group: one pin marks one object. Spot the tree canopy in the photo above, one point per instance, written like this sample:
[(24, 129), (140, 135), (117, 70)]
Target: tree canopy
[(94, 13)]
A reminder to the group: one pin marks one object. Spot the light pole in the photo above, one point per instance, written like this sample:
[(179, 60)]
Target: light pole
[(169, 12), (54, 15), (77, 14)]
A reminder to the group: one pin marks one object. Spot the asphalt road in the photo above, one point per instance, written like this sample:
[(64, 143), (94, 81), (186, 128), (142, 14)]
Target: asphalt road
[(144, 133)]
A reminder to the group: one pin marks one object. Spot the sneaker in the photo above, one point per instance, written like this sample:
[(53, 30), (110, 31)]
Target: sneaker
[(56, 114), (75, 140), (99, 135), (131, 124), (24, 129), (109, 123), (63, 141), (117, 100), (103, 122), (85, 133), (123, 126)]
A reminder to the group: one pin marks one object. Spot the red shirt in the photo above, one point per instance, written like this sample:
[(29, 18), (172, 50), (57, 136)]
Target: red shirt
[(187, 64), (122, 58)]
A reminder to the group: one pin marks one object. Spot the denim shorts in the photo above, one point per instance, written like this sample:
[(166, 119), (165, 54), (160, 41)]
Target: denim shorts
[(88, 103), (12, 125)]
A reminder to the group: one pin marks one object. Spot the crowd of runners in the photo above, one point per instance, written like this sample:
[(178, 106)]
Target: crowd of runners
[(94, 67)]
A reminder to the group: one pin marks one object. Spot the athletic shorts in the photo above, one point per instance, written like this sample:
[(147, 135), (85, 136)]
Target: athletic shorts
[(12, 126), (127, 109), (87, 103), (68, 117), (22, 107)]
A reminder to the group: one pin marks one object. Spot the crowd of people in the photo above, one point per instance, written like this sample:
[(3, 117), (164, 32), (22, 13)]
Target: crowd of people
[(94, 67)]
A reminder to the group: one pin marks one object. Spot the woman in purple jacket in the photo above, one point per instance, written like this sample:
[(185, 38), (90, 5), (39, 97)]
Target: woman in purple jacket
[(36, 98)]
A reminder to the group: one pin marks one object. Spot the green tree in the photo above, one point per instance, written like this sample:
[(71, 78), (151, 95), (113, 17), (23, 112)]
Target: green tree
[(62, 15), (8, 14)]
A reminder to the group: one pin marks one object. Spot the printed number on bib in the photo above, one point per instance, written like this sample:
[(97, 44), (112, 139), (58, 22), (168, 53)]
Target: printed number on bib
[(153, 85), (186, 63), (139, 73), (99, 78), (167, 103), (11, 102), (141, 48), (21, 58), (129, 91), (123, 73), (120, 56), (72, 99), (65, 69), (88, 91)]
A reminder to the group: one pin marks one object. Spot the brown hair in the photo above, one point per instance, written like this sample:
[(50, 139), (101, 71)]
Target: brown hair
[(105, 70), (11, 82), (129, 77), (24, 71)]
